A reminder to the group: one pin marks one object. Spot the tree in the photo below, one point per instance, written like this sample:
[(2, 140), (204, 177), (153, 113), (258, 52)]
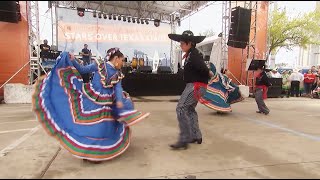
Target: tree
[(282, 65), (207, 33), (288, 33)]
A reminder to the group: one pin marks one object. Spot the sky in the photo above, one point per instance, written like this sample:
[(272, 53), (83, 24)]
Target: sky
[(45, 22), (208, 18)]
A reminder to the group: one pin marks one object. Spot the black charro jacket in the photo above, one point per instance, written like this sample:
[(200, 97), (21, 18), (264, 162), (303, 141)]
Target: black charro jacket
[(195, 69)]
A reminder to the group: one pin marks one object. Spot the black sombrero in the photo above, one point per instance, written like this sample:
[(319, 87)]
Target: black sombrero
[(186, 36)]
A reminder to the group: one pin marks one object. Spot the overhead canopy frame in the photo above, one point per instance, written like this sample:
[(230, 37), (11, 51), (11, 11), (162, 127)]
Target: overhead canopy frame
[(151, 10)]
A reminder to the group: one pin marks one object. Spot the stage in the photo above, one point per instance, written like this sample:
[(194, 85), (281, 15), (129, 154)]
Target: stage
[(142, 84)]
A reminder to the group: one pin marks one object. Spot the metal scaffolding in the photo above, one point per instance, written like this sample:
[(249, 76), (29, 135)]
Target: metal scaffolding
[(173, 31), (226, 17), (54, 24), (150, 10), (34, 40), (251, 49)]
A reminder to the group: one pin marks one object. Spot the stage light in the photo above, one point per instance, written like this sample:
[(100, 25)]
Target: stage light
[(147, 22), (99, 15), (114, 17), (119, 18), (81, 11), (94, 14), (110, 16), (104, 16), (156, 22), (18, 11), (129, 19), (124, 19), (138, 21), (142, 21), (133, 20)]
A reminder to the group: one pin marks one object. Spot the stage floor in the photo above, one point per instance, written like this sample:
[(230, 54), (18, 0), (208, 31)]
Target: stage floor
[(242, 144)]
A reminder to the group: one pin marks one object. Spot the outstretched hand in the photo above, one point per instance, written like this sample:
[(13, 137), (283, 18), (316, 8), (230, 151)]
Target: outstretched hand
[(211, 74), (71, 56), (119, 105)]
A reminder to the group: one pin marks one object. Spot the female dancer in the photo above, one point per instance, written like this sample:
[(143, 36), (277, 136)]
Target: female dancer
[(90, 120), (221, 92)]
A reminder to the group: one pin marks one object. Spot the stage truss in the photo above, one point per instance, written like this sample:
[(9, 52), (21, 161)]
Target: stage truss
[(151, 10), (251, 48), (166, 11), (226, 17), (34, 40)]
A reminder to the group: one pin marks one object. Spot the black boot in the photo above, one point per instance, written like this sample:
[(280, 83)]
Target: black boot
[(198, 141), (179, 145)]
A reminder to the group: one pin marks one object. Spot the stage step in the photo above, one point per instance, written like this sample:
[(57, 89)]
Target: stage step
[(17, 93)]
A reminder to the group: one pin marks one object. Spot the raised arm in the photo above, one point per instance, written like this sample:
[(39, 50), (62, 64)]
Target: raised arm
[(85, 69), (119, 94)]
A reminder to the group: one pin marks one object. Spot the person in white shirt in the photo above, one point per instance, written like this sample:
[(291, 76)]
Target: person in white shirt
[(275, 74), (295, 78)]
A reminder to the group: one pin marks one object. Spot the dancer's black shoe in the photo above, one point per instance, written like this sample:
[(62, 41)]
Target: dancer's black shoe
[(179, 145), (198, 141)]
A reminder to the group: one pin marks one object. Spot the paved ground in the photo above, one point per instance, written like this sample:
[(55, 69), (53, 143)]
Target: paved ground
[(242, 144)]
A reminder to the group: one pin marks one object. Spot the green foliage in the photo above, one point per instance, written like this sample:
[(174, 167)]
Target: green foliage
[(207, 33), (288, 32), (281, 65)]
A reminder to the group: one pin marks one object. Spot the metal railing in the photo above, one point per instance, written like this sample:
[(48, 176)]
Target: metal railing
[(235, 77), (14, 75)]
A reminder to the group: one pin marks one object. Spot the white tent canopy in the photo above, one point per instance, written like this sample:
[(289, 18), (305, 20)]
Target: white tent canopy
[(211, 46)]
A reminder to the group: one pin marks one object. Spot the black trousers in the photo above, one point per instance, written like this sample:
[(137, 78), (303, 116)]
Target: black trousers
[(86, 77), (308, 88), (295, 86)]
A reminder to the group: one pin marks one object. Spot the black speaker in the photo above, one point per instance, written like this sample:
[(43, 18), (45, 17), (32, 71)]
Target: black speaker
[(126, 70), (164, 70), (275, 90), (10, 11), (240, 27), (145, 69)]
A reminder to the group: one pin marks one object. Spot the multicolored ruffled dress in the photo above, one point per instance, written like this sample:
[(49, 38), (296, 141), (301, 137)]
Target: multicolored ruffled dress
[(220, 92), (83, 117)]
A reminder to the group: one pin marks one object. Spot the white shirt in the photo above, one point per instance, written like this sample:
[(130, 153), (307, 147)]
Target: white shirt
[(275, 75), (183, 61), (296, 76)]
